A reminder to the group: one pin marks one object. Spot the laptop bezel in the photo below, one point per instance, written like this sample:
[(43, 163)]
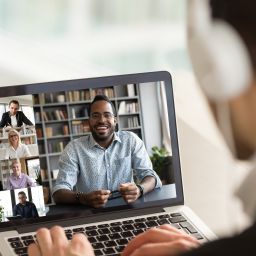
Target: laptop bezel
[(99, 82)]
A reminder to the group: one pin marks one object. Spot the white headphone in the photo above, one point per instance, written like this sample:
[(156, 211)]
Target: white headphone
[(219, 57)]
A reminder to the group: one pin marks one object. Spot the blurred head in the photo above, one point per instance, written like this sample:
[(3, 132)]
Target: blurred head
[(16, 167), (102, 120), (222, 46), (13, 107), (14, 137), (22, 197)]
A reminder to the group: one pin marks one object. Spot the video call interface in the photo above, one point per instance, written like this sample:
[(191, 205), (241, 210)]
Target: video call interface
[(55, 119)]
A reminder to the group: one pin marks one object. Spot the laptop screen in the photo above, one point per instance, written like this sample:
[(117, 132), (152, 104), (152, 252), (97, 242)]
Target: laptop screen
[(39, 120)]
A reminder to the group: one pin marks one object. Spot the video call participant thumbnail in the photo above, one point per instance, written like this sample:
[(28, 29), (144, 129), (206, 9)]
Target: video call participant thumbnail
[(18, 179), (14, 117), (104, 161), (16, 149), (24, 208)]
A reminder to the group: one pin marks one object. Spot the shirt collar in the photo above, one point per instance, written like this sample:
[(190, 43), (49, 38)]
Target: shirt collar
[(93, 143)]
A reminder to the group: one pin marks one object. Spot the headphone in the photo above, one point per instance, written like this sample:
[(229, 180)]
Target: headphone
[(219, 57)]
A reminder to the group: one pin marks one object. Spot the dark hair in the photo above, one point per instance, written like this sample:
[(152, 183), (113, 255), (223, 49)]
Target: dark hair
[(100, 98), (240, 14), (14, 102), (22, 193)]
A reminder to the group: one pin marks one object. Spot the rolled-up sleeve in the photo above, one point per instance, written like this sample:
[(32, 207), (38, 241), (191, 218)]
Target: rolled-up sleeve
[(141, 162)]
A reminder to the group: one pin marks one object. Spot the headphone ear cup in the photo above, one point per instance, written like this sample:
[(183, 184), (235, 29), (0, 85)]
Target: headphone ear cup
[(220, 60)]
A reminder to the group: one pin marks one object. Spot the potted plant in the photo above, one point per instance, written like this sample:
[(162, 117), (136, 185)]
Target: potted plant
[(162, 164)]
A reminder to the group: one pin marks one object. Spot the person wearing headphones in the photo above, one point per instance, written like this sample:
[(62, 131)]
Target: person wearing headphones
[(223, 54)]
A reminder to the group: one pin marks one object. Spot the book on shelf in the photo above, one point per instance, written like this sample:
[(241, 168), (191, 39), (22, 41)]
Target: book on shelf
[(133, 122), (65, 130), (80, 127), (109, 92), (130, 90), (37, 117), (48, 132), (44, 174), (122, 108)]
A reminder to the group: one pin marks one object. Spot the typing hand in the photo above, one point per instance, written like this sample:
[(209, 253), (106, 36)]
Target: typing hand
[(129, 191), (165, 240), (97, 198), (54, 242)]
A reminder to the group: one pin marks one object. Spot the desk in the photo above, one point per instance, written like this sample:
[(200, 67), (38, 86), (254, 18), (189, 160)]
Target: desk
[(166, 192)]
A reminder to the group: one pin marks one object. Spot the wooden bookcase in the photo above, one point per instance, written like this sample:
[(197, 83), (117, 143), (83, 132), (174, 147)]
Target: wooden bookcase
[(63, 116)]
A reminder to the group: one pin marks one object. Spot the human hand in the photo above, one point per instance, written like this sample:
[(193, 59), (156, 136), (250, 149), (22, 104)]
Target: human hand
[(54, 242), (97, 198), (129, 191), (161, 241)]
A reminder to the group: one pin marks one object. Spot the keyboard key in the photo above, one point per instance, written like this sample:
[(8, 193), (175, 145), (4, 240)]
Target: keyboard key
[(175, 214), (127, 227), (97, 245), (16, 244), (21, 250), (116, 229), (128, 222), (139, 225), (152, 218), (163, 221), (127, 234), (118, 223), (92, 239), (69, 236), (176, 225), (110, 243), (114, 236), (28, 242), (103, 231), (164, 216), (103, 225), (188, 226), (13, 239), (98, 252), (90, 227), (91, 233), (102, 238), (140, 220), (108, 250), (177, 219), (26, 237), (123, 241), (151, 224), (137, 232), (78, 230), (120, 248), (197, 236), (68, 231)]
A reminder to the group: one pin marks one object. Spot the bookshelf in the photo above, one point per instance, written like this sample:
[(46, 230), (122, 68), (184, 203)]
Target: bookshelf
[(63, 116)]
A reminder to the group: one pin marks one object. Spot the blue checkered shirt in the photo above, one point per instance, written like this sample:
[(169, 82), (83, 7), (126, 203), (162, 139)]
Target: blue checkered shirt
[(85, 166)]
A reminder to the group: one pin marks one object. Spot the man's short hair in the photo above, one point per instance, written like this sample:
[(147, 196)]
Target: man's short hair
[(14, 102), (22, 193), (102, 98)]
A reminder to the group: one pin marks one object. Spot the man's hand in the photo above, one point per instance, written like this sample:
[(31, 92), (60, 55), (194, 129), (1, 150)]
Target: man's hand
[(129, 191), (96, 199), (54, 242), (165, 240)]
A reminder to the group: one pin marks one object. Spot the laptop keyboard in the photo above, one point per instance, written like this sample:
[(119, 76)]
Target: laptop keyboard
[(110, 238)]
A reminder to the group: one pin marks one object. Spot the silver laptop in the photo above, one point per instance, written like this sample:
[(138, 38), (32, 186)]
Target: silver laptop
[(59, 112)]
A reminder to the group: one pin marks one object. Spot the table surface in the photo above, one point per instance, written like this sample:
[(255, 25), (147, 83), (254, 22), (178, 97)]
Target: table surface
[(166, 192)]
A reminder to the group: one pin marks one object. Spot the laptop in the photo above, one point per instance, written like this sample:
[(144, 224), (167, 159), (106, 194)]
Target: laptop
[(59, 112)]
